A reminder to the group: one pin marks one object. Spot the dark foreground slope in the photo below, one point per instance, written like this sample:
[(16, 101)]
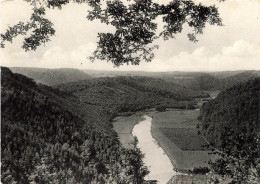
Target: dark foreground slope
[(45, 142), (231, 123), (236, 108)]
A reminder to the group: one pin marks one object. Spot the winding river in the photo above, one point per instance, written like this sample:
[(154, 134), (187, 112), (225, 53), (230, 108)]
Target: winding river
[(158, 163)]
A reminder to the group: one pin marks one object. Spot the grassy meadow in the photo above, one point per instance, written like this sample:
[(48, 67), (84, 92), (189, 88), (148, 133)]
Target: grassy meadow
[(188, 179), (185, 138), (175, 131)]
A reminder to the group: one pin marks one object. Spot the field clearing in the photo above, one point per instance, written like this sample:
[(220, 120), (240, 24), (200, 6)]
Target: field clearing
[(193, 179), (188, 179), (185, 138), (175, 131)]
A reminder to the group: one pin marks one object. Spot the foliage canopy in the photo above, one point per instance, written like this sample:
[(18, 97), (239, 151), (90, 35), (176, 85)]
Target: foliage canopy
[(46, 139), (135, 24), (231, 123)]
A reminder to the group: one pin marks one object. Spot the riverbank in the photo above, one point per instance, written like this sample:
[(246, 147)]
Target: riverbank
[(123, 124), (158, 163), (175, 132)]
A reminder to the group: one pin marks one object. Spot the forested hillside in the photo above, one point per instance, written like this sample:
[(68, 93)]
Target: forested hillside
[(212, 81), (130, 93), (45, 142), (239, 78), (199, 82), (51, 76), (231, 123), (65, 135), (236, 108)]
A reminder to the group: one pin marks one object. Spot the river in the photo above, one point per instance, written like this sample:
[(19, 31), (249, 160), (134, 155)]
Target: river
[(158, 163)]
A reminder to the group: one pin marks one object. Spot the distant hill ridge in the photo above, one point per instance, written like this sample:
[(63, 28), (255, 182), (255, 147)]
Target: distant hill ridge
[(214, 81), (199, 81), (130, 93), (52, 76), (239, 78)]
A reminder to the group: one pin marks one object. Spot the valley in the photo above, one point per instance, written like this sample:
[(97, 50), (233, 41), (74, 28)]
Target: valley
[(90, 119), (176, 133), (130, 92)]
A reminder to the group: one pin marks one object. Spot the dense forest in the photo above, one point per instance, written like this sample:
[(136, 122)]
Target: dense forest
[(237, 108), (196, 81), (231, 123), (44, 142), (239, 78), (122, 93), (64, 134), (212, 81)]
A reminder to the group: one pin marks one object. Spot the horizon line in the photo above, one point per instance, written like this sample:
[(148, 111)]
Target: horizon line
[(197, 71)]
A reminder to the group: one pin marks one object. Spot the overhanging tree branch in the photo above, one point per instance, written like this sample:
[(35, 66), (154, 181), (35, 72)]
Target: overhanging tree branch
[(134, 23)]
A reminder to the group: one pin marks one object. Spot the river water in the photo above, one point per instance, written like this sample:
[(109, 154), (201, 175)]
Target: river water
[(158, 163)]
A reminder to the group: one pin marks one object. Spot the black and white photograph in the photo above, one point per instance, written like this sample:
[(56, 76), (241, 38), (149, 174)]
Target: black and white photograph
[(130, 91)]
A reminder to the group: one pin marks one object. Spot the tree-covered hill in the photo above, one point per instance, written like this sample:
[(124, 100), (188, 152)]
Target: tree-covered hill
[(231, 123), (236, 108), (211, 80), (129, 93), (239, 78), (65, 135), (45, 141), (52, 76), (226, 74), (199, 82)]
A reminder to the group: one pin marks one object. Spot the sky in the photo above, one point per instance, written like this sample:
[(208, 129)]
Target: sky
[(234, 46)]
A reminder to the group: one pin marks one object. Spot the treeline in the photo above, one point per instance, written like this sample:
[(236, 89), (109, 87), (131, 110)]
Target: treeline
[(122, 94), (231, 123), (236, 108), (213, 81), (44, 142), (52, 76)]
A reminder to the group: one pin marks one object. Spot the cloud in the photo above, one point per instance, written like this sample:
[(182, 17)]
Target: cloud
[(241, 55), (11, 58), (242, 48), (57, 57), (83, 51), (219, 48)]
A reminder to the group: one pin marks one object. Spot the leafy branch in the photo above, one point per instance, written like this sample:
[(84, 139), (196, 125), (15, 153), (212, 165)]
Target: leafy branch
[(238, 158), (134, 23)]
